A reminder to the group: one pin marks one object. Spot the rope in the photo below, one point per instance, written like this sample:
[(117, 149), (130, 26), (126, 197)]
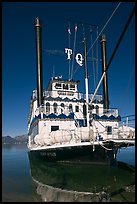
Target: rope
[(92, 56), (97, 57), (121, 37), (69, 33), (98, 141), (104, 26), (104, 147), (115, 49), (101, 31), (82, 41), (76, 69), (74, 50)]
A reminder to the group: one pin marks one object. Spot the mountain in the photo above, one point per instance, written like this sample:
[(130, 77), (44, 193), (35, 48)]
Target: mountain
[(21, 139), (8, 140)]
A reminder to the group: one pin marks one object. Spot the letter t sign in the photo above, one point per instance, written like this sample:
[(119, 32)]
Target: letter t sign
[(69, 52)]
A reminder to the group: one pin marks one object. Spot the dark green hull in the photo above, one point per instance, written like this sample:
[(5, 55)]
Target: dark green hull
[(76, 154)]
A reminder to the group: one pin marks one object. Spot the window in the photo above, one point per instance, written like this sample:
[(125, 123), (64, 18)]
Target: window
[(62, 107), (54, 128), (58, 86), (55, 107), (47, 107), (70, 108), (65, 86), (97, 109), (72, 86), (109, 130), (77, 108)]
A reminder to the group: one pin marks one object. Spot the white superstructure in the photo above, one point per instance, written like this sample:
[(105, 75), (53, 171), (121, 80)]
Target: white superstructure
[(61, 120)]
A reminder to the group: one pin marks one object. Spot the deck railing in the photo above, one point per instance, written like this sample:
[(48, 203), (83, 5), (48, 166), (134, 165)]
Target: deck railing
[(78, 95), (101, 112), (109, 112)]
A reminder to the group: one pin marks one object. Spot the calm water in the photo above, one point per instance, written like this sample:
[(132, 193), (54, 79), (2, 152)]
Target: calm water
[(29, 180)]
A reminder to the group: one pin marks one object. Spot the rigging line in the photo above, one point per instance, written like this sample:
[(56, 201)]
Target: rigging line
[(129, 120), (117, 45), (82, 41), (127, 116), (73, 51), (92, 56), (69, 33), (101, 32), (104, 26), (83, 31), (97, 56), (120, 38)]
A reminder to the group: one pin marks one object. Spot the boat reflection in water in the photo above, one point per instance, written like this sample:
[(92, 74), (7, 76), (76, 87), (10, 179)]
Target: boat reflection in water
[(78, 182)]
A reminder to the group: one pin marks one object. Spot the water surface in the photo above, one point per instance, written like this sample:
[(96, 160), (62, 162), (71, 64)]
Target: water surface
[(30, 180)]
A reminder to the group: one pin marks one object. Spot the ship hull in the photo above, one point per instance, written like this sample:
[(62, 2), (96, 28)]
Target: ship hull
[(75, 154)]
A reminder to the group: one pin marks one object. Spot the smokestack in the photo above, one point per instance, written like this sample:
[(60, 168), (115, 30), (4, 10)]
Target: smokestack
[(104, 66), (39, 62)]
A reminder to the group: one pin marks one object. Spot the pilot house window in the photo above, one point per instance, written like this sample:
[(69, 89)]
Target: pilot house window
[(65, 86), (72, 86), (58, 86)]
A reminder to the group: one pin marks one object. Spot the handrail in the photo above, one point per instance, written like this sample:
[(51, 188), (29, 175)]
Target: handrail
[(80, 95)]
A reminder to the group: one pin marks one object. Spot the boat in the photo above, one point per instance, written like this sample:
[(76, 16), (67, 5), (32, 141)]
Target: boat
[(65, 125)]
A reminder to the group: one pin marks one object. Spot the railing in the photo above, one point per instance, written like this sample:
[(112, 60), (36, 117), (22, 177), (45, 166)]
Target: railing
[(78, 95), (126, 134), (109, 112), (128, 121), (100, 111), (127, 127)]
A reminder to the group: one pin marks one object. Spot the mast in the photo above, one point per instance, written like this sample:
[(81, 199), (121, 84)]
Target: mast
[(39, 62), (104, 66), (86, 79)]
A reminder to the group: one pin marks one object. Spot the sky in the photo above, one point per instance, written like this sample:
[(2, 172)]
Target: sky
[(19, 53)]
